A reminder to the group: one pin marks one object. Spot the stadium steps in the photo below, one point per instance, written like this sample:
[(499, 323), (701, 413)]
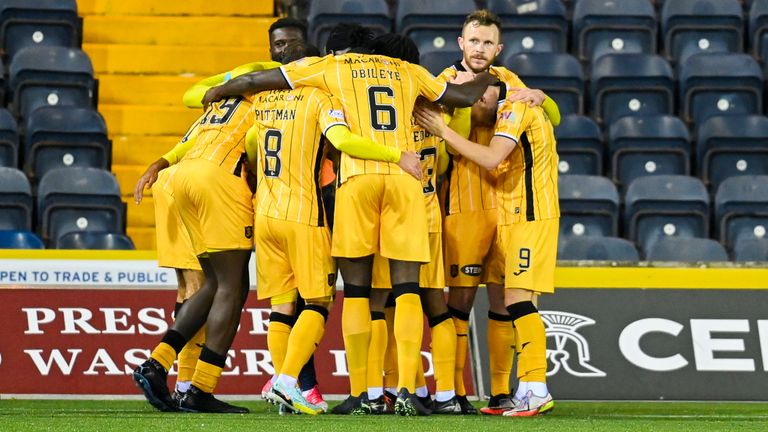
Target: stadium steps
[(140, 149), (153, 90), (225, 8), (148, 119)]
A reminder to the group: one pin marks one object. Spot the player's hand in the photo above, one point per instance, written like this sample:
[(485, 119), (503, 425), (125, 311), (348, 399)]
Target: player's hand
[(148, 179), (410, 162), (211, 95), (462, 77), (534, 97), (430, 119)]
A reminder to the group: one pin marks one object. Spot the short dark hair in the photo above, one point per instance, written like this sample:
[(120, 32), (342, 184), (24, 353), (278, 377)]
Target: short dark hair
[(483, 17), (299, 50), (348, 36), (290, 23), (396, 46)]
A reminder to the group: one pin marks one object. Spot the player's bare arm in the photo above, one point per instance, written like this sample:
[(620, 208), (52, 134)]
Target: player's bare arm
[(246, 84), (464, 95), (148, 178), (533, 97), (488, 157)]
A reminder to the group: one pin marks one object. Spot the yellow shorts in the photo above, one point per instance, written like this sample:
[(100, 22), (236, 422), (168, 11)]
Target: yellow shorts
[(468, 238), (526, 255), (215, 206), (174, 247), (381, 213), (292, 255), (431, 274)]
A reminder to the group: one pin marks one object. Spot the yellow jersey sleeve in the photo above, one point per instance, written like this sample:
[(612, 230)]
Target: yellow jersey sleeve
[(511, 120), (194, 95), (430, 87), (309, 71), (186, 143)]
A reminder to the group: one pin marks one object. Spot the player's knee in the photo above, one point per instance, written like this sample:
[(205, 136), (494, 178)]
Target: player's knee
[(356, 291), (435, 320), (458, 314), (404, 288), (282, 317), (319, 308)]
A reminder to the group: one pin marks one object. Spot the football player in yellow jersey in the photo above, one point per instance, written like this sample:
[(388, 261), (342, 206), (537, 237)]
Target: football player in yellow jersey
[(376, 204), (470, 216), (526, 243)]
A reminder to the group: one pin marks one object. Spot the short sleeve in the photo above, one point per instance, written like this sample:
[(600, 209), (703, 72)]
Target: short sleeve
[(330, 111), (306, 72), (430, 87), (511, 120)]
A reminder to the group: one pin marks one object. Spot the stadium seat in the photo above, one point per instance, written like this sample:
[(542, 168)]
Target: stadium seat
[(754, 250), (9, 140), (26, 23), (43, 76), (719, 84), (758, 29), (598, 248), (437, 61), (631, 84), (687, 249), (665, 206), (690, 27), (94, 240), (532, 25), (559, 75), (323, 15), (15, 200), (78, 199), (613, 26), (10, 239), (648, 145), (732, 146), (433, 24), (741, 209), (65, 137), (589, 206), (579, 146)]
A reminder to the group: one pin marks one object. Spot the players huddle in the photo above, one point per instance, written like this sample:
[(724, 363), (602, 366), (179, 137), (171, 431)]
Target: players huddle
[(440, 182)]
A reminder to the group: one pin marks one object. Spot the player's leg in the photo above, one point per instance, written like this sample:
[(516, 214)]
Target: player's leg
[(308, 376), (281, 320), (501, 351), (193, 281), (379, 337), (390, 355)]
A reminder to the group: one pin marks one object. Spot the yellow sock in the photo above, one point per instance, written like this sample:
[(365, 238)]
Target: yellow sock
[(532, 356), (421, 380), (189, 355), (278, 333), (501, 353), (462, 344), (409, 322), (376, 350), (305, 337), (164, 354), (444, 354), (390, 355), (206, 376), (356, 328)]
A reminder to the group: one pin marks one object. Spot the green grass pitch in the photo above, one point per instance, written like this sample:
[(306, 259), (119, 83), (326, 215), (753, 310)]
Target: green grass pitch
[(136, 416)]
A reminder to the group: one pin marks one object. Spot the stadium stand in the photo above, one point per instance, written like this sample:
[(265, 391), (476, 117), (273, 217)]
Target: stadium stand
[(437, 61), (755, 249), (433, 24), (94, 240), (758, 29), (648, 145), (589, 205), (611, 27), (687, 249), (579, 146), (25, 23), (323, 15), (20, 240), (691, 27), (9, 140), (598, 248), (559, 75), (532, 26), (740, 209), (15, 200), (665, 206), (731, 146)]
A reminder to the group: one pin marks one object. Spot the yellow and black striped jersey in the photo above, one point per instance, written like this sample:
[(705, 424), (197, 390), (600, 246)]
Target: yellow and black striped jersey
[(378, 95), (527, 187)]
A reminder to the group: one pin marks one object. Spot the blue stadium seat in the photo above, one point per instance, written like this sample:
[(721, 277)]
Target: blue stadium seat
[(559, 75), (754, 250), (19, 240), (732, 146), (579, 146), (690, 27), (9, 140), (598, 248), (687, 249), (589, 205), (532, 25), (323, 15), (43, 76), (741, 209), (65, 137), (437, 61), (664, 206), (612, 27), (719, 84), (433, 24), (15, 200), (94, 240), (648, 145), (758, 29), (26, 23), (631, 84), (78, 199)]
